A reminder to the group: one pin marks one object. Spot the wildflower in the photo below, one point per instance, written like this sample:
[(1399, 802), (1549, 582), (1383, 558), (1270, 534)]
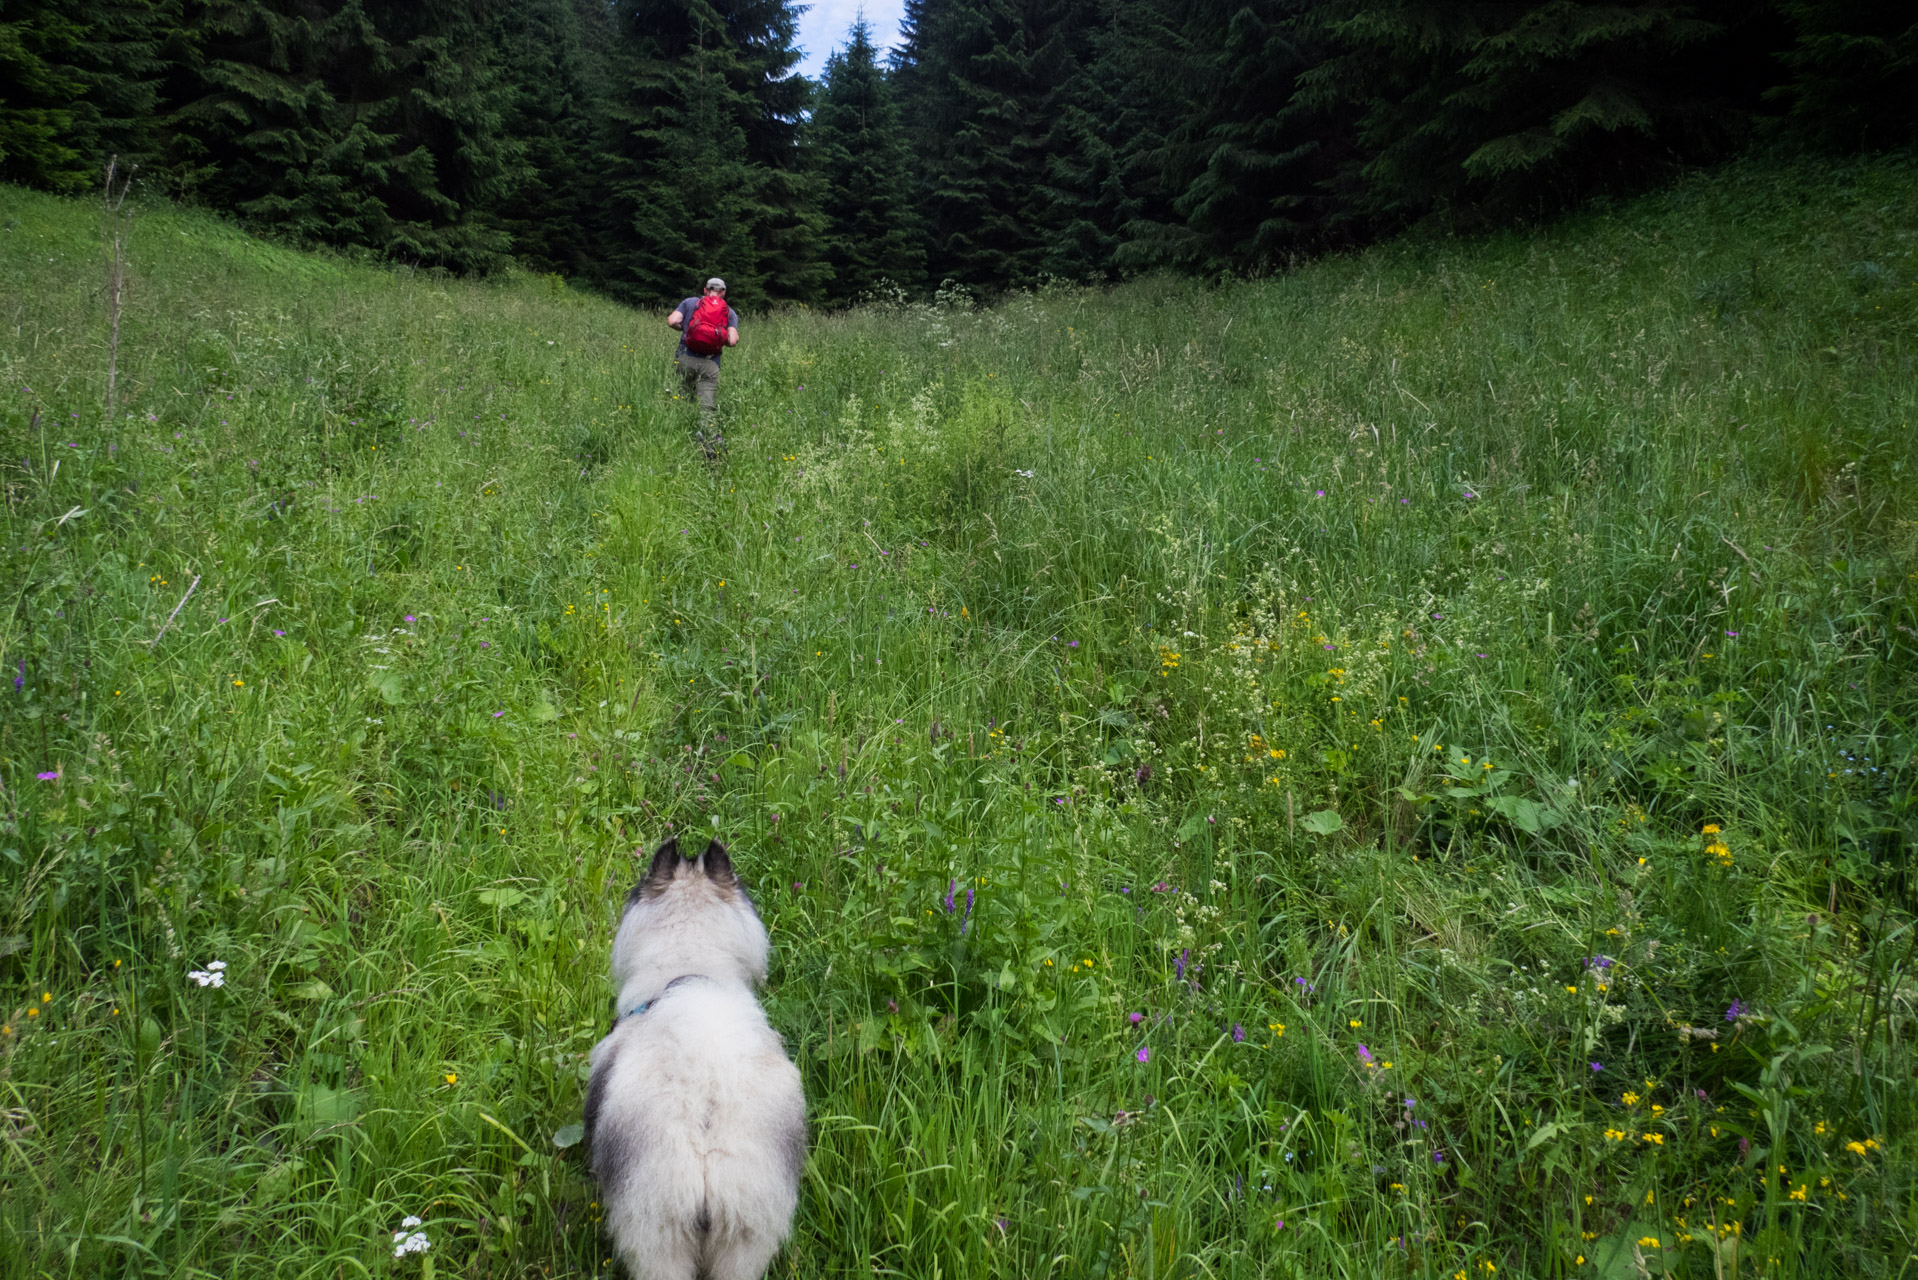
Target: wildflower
[(214, 975), (966, 923), (1365, 1057), (1354, 1023), (415, 1242), (1736, 1011), (1179, 963), (1135, 1018), (1238, 1034), (1144, 1054), (952, 887), (1711, 829), (1856, 1148), (1276, 1028), (411, 618), (1596, 1066), (53, 776), (452, 1078)]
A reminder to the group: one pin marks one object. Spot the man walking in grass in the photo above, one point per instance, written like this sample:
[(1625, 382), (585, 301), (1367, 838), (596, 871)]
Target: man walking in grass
[(707, 326)]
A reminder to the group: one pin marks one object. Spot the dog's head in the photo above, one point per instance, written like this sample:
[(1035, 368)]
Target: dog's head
[(689, 915)]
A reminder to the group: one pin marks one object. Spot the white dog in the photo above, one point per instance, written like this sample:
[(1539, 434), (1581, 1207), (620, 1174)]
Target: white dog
[(695, 1114)]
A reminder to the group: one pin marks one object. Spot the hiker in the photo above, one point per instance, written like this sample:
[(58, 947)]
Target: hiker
[(707, 327)]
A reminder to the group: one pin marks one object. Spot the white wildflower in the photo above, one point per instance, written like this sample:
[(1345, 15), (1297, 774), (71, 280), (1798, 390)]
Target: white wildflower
[(406, 1240), (214, 975), (1026, 474)]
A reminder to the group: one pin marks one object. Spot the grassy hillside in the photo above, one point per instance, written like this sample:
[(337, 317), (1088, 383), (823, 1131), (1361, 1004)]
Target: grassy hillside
[(1403, 769)]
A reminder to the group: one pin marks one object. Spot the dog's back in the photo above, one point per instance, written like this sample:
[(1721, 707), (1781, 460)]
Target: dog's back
[(695, 1114)]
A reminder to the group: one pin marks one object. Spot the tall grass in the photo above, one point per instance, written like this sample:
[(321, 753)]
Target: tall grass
[(1404, 768)]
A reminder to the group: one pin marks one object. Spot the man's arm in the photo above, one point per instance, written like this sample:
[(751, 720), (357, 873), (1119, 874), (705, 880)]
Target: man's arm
[(732, 335), (675, 320)]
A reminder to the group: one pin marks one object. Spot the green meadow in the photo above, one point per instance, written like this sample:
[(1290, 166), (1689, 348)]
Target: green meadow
[(1404, 768)]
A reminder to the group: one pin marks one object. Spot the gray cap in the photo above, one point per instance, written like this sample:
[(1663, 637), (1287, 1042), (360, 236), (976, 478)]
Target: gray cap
[(716, 283)]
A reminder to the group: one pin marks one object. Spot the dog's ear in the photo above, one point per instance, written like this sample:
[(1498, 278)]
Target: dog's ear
[(718, 865), (666, 862)]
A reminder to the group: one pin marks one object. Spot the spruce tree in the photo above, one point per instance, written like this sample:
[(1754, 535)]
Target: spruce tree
[(80, 83), (1235, 170), (984, 84), (1495, 111), (1854, 71), (871, 232), (701, 153)]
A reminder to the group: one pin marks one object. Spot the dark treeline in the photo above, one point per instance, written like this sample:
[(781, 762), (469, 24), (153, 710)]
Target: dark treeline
[(639, 145)]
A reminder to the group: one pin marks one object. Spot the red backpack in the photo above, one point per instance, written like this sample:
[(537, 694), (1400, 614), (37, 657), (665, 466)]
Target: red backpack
[(706, 331)]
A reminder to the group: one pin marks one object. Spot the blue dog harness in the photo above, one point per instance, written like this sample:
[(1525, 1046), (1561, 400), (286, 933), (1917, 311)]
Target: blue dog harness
[(644, 1005)]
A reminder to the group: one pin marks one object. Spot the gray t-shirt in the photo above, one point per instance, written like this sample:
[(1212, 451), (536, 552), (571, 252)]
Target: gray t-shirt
[(686, 310)]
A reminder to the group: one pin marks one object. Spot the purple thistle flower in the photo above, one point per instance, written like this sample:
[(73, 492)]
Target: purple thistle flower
[(1135, 1018), (1144, 1054), (1238, 1034), (1736, 1011)]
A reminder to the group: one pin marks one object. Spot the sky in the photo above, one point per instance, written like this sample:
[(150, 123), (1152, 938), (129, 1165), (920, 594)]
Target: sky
[(822, 28)]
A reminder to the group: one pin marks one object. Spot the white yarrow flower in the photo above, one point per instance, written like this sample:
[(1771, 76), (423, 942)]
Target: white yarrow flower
[(1026, 474), (214, 975), (406, 1240)]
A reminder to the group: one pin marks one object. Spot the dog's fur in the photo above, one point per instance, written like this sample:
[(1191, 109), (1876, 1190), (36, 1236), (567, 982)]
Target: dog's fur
[(695, 1114)]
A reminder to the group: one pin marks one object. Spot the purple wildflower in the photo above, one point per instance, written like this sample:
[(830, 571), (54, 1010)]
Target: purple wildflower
[(1238, 1034), (21, 678), (278, 632), (1179, 963), (1596, 1066), (498, 714), (966, 923), (1144, 1054), (1598, 962), (411, 618), (1438, 1157), (952, 886), (1736, 1011), (1365, 1057), (1135, 1018), (54, 776)]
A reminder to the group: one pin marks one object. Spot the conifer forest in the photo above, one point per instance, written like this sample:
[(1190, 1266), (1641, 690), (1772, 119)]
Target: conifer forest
[(634, 145)]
